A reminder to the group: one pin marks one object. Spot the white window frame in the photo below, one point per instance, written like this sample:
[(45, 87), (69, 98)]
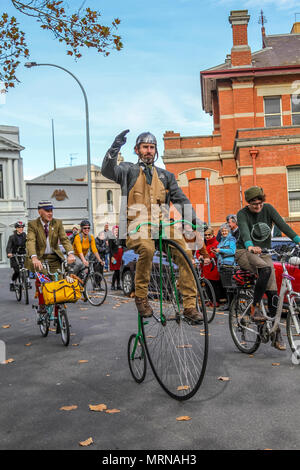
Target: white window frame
[(295, 112), (291, 213), (273, 114)]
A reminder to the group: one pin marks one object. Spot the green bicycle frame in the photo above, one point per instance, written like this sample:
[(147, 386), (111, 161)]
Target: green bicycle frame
[(162, 235)]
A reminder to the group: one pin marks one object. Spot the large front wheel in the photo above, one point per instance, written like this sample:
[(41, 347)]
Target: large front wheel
[(177, 347)]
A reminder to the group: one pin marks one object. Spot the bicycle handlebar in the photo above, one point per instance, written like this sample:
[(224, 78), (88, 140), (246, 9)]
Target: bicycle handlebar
[(165, 224)]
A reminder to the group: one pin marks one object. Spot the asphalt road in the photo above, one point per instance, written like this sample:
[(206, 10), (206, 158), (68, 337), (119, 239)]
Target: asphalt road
[(258, 408)]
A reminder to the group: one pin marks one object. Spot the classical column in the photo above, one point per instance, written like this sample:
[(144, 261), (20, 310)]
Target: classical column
[(10, 180), (17, 178)]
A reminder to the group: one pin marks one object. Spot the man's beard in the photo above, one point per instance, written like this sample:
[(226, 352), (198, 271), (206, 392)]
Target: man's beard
[(147, 159)]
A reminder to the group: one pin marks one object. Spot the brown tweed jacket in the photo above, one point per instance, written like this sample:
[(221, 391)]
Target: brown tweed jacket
[(36, 239)]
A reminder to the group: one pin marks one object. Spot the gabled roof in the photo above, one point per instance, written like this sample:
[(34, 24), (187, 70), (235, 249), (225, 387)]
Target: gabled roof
[(279, 51), (7, 144)]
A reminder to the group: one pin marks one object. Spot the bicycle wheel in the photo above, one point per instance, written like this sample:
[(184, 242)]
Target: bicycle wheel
[(209, 299), (18, 289), (137, 358), (176, 347), (25, 287), (293, 329), (243, 330), (64, 326), (45, 324), (95, 289)]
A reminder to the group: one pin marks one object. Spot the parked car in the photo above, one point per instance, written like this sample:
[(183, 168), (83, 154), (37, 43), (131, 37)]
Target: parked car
[(127, 271), (279, 243)]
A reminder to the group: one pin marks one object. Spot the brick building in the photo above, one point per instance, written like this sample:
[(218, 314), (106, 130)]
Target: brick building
[(254, 101)]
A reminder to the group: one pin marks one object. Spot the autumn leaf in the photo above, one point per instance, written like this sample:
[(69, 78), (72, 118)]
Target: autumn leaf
[(183, 387), (8, 361), (276, 364), (69, 408), (75, 344), (28, 344), (224, 379), (6, 326), (82, 361), (100, 407), (112, 411), (183, 418), (87, 442)]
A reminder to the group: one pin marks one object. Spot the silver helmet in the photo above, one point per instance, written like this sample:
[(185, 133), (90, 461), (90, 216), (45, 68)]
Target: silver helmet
[(146, 137)]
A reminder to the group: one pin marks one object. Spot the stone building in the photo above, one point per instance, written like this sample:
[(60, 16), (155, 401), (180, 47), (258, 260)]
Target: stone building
[(254, 101), (12, 192), (67, 188)]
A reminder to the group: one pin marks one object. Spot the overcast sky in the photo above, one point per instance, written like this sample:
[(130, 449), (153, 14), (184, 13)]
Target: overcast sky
[(152, 84)]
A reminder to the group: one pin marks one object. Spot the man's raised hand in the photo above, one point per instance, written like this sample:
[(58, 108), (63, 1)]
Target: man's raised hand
[(120, 140)]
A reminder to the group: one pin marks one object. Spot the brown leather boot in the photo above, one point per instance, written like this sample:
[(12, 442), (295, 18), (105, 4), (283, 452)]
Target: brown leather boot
[(192, 314), (256, 314), (279, 343), (143, 306)]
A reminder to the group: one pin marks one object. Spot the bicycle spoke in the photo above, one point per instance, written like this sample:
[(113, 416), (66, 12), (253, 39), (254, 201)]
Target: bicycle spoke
[(177, 348)]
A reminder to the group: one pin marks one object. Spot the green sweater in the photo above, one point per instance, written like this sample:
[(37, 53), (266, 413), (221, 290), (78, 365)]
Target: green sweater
[(246, 219)]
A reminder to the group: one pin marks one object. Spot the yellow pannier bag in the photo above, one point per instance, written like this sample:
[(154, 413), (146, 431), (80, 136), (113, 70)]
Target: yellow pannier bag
[(61, 292)]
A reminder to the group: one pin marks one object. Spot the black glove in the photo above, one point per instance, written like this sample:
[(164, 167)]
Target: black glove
[(119, 141)]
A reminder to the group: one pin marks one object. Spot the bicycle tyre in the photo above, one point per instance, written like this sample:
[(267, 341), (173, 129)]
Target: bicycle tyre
[(293, 330), (64, 326), (25, 287), (177, 348), (242, 329), (138, 364), (18, 289), (44, 326), (209, 299), (95, 289)]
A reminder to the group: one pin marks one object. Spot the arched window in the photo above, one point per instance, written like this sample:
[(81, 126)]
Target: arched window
[(109, 198)]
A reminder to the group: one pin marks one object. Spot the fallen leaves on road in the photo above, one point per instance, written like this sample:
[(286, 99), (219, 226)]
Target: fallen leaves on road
[(183, 418), (183, 387), (82, 361), (75, 344), (69, 408), (276, 364), (8, 361), (184, 346), (114, 410), (87, 442), (100, 407), (224, 379), (28, 344), (6, 326)]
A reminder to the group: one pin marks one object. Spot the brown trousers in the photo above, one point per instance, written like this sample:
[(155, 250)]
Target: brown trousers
[(145, 248), (251, 262)]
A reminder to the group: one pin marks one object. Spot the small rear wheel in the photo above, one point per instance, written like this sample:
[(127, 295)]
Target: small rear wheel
[(137, 358), (64, 326), (25, 287), (293, 330)]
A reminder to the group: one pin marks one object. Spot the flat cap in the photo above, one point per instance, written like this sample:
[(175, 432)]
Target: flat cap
[(253, 192)]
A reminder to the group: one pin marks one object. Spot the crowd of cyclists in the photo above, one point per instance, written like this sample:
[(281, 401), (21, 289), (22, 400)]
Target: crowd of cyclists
[(239, 241)]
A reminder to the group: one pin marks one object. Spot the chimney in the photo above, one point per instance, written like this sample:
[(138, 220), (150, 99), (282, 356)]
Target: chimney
[(240, 52)]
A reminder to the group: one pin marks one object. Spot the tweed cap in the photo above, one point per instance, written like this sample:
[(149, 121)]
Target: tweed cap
[(253, 192), (46, 205)]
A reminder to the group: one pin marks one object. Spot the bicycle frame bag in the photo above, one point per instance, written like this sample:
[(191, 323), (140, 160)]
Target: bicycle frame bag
[(61, 292)]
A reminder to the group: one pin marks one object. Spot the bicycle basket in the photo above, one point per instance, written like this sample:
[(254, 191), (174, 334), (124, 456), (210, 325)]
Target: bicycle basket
[(226, 275), (61, 292), (244, 278)]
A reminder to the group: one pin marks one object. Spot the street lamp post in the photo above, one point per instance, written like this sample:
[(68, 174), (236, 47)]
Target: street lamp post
[(88, 147)]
